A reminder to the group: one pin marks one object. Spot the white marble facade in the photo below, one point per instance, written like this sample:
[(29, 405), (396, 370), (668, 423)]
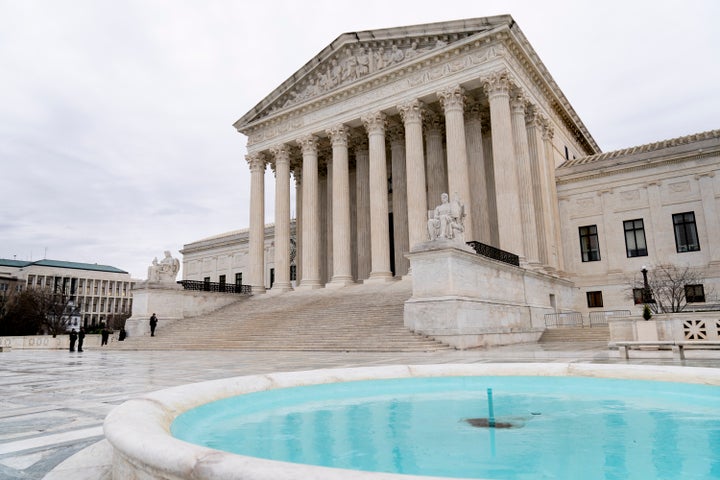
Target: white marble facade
[(379, 124)]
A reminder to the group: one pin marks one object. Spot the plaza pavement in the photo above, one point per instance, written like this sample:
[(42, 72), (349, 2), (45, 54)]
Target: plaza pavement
[(53, 402)]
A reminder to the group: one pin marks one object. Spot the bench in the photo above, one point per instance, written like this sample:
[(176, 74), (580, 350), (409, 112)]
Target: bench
[(678, 346)]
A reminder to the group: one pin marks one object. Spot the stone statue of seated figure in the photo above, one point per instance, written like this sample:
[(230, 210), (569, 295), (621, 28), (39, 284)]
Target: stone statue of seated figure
[(164, 271), (447, 220)]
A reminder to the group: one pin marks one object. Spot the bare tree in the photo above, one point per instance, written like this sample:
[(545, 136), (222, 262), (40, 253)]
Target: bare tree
[(666, 287), (58, 308)]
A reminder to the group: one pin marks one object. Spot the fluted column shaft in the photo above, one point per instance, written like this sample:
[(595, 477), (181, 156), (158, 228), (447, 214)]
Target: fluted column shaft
[(497, 88), (436, 172), (399, 200), (256, 235), (524, 175), (556, 240), (379, 228), (411, 114), (311, 213), (342, 266), (477, 176), (362, 172), (541, 191), (297, 173), (453, 102), (282, 218)]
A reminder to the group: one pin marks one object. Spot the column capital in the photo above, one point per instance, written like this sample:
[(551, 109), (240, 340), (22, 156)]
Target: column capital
[(518, 102), (281, 153), (432, 121), (412, 111), (497, 83), (396, 132), (359, 142), (339, 135), (308, 144), (256, 161), (452, 98), (473, 110), (548, 131), (374, 122), (533, 116)]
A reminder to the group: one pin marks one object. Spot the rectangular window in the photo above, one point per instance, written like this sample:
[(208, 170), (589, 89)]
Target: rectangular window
[(694, 293), (238, 279), (686, 238), (206, 284), (594, 299), (221, 281), (635, 238), (638, 295), (589, 245)]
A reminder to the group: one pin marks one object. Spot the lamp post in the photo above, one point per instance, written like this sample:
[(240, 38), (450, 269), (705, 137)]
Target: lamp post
[(647, 293)]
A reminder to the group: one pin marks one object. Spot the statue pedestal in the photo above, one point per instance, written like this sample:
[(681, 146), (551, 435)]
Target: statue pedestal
[(468, 301)]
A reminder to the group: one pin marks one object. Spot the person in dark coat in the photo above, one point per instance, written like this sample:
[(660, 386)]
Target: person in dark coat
[(81, 338), (153, 324), (73, 339), (104, 335)]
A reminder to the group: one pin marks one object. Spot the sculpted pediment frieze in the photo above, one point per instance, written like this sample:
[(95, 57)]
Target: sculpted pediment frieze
[(353, 57)]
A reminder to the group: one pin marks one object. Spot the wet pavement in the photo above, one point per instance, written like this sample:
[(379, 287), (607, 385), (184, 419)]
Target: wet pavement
[(53, 403)]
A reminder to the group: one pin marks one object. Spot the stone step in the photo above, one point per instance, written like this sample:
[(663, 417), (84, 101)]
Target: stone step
[(576, 334), (355, 318)]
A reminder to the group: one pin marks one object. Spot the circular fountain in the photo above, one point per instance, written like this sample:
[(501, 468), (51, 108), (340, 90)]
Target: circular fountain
[(140, 430)]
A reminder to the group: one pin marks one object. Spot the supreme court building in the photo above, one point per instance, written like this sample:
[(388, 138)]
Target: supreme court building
[(380, 123)]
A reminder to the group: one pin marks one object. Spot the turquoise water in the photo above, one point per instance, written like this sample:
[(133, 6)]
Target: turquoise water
[(563, 427)]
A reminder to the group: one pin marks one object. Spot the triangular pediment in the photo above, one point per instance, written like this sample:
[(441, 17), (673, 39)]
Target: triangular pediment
[(355, 56)]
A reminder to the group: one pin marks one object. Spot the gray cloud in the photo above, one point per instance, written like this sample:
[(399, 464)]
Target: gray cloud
[(115, 128)]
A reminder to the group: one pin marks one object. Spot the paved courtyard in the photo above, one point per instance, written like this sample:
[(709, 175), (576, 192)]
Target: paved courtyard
[(53, 402)]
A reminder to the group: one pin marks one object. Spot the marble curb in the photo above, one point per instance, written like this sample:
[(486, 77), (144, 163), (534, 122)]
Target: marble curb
[(138, 430)]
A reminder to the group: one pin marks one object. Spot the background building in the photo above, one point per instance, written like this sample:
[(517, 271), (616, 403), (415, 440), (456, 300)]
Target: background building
[(99, 292)]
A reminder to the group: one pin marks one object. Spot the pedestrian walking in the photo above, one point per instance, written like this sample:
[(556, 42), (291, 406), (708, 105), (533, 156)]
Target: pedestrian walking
[(81, 338), (104, 335), (73, 339), (153, 324)]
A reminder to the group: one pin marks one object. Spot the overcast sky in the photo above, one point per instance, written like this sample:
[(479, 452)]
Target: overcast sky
[(116, 137)]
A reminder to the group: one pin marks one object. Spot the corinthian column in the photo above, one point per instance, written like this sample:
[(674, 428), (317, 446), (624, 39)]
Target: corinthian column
[(297, 173), (411, 114), (524, 174), (556, 239), (342, 266), (477, 175), (311, 213), (282, 218), (379, 228), (452, 100), (436, 174), (399, 199), (362, 169), (497, 88), (256, 235), (541, 191)]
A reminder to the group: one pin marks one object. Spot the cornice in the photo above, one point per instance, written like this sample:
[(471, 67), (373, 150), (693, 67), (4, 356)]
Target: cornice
[(631, 167)]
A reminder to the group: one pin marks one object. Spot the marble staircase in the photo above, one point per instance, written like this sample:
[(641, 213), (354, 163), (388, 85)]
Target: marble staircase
[(597, 333), (355, 318)]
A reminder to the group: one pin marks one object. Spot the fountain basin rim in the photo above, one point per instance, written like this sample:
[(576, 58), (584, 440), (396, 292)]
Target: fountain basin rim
[(139, 429)]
